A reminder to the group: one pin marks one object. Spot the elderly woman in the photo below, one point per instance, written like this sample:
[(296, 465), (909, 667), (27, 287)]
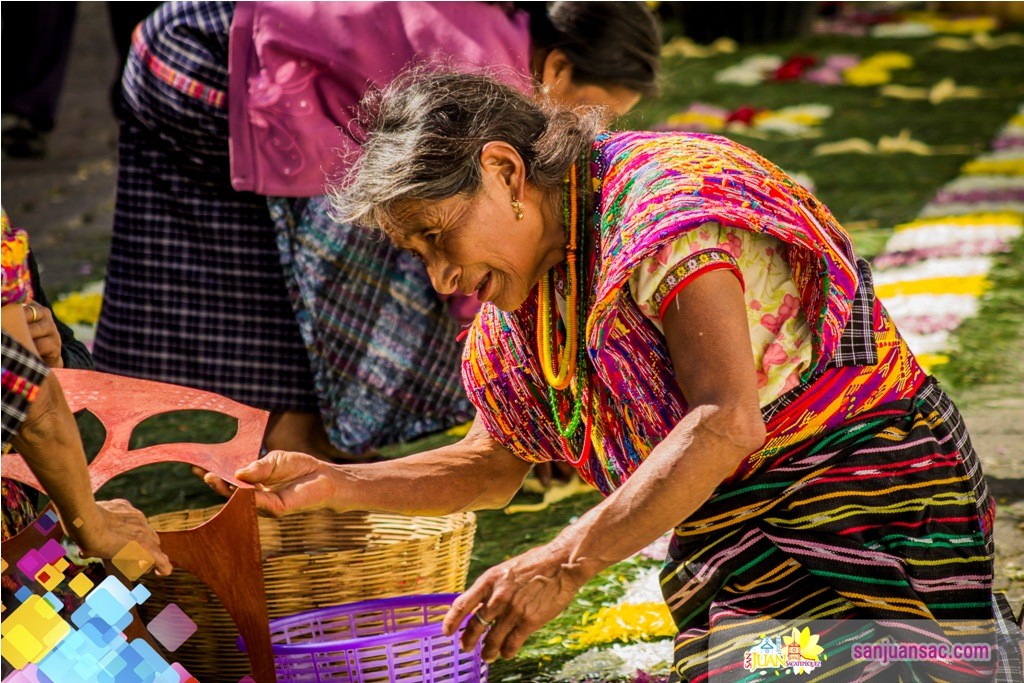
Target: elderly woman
[(226, 272), (691, 330)]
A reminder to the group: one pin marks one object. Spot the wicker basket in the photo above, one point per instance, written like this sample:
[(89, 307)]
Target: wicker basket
[(312, 560)]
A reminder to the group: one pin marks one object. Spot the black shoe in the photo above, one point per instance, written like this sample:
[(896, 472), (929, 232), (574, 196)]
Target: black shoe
[(20, 139)]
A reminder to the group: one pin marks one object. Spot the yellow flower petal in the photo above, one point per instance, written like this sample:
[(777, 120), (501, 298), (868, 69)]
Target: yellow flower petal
[(623, 623), (79, 308), (889, 60)]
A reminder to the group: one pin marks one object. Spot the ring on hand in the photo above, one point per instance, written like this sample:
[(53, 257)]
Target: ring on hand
[(35, 313), (482, 620)]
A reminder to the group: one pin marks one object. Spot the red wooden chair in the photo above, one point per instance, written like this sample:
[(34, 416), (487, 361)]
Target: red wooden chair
[(224, 553)]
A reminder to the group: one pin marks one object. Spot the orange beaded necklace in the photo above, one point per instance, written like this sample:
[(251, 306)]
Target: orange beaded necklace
[(571, 357), (559, 376)]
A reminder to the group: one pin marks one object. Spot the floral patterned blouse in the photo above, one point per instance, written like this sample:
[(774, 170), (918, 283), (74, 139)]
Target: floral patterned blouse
[(780, 337), (17, 279)]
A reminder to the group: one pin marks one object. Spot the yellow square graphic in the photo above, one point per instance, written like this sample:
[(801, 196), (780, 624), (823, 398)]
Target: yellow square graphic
[(31, 631), (49, 576), (132, 560), (81, 585), (20, 646)]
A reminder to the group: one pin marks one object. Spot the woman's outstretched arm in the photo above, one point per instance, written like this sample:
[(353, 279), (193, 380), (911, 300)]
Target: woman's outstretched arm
[(475, 473)]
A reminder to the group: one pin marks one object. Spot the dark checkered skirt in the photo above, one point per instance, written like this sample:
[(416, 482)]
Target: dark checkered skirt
[(195, 293)]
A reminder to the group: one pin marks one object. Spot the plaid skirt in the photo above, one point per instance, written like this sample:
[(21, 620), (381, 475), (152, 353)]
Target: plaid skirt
[(195, 290), (385, 360), (880, 529)]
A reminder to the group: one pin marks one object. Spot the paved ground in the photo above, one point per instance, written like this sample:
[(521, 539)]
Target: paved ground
[(66, 201), (995, 417)]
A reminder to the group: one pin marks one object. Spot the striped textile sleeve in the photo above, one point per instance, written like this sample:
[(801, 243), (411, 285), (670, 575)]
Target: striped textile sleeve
[(23, 372)]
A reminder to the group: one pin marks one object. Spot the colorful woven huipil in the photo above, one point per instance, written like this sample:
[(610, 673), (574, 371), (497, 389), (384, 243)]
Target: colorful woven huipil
[(651, 188)]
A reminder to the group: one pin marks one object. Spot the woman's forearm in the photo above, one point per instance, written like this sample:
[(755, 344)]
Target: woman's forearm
[(674, 481), (49, 442), (475, 473)]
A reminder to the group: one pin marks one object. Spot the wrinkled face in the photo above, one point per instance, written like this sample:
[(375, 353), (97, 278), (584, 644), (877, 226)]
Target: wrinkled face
[(476, 245)]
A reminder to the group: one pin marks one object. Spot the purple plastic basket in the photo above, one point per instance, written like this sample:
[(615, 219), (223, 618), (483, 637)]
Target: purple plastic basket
[(394, 639)]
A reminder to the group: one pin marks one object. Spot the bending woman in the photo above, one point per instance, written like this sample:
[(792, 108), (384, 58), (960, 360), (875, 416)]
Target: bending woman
[(284, 309), (691, 330)]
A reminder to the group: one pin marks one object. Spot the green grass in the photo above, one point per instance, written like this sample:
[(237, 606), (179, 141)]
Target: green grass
[(162, 487), (989, 348)]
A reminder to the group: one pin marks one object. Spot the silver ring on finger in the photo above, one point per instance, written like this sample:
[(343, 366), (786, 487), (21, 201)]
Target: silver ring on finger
[(476, 615)]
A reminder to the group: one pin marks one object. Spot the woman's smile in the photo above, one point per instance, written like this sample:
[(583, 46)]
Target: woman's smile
[(484, 290)]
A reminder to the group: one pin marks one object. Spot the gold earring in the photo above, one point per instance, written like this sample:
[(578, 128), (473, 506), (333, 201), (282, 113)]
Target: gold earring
[(517, 207)]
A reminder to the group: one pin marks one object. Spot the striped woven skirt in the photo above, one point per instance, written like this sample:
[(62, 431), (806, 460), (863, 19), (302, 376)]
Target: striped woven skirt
[(195, 290), (878, 531)]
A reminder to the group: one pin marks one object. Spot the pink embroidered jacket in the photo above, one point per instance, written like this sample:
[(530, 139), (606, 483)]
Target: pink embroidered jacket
[(297, 71)]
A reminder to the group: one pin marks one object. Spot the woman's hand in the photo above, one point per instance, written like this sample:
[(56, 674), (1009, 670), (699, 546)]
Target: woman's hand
[(285, 482), (44, 333), (114, 524), (513, 599)]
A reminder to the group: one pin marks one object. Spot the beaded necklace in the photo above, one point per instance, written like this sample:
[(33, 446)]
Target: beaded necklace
[(572, 357)]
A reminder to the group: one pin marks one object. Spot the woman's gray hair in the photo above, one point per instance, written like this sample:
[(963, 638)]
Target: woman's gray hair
[(424, 136)]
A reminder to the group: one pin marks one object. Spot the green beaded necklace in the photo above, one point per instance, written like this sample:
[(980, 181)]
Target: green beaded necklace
[(577, 395)]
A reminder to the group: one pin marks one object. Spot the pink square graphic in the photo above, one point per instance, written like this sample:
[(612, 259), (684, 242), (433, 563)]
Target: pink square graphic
[(31, 562), (172, 627)]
